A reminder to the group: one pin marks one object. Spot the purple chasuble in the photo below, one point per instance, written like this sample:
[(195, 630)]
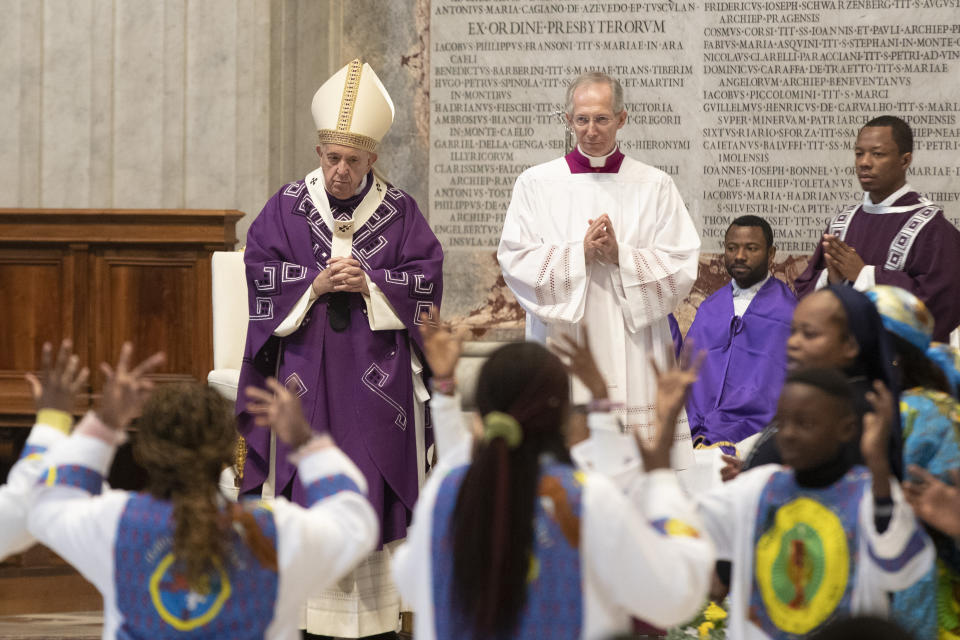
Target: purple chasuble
[(929, 268), (736, 391), (580, 163), (356, 384)]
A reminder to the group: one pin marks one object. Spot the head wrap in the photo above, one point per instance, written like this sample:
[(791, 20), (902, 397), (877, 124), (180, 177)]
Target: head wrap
[(948, 359), (875, 358), (904, 314), (876, 353)]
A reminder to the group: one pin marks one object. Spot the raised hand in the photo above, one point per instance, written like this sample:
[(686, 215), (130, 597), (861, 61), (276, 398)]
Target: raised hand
[(934, 501), (280, 411), (581, 363), (732, 466), (876, 424), (442, 344), (876, 434), (60, 380), (125, 389), (673, 385)]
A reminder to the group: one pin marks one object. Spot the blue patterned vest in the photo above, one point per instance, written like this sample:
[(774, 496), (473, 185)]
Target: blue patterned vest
[(805, 553), (154, 598), (554, 606)]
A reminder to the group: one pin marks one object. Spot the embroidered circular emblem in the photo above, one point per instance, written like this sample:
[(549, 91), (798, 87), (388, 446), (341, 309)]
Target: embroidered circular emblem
[(802, 564), (180, 606)]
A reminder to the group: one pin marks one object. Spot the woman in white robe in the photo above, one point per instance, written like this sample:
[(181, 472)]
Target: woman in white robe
[(509, 538), (179, 558)]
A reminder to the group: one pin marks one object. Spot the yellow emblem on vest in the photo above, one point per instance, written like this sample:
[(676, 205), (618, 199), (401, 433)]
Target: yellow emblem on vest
[(801, 565), (182, 607)]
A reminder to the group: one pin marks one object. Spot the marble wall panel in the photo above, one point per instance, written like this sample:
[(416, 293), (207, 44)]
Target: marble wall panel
[(172, 121), (253, 107), (65, 111), (312, 65), (392, 37), (210, 103), (138, 122), (102, 57), (30, 81), (283, 50), (10, 31)]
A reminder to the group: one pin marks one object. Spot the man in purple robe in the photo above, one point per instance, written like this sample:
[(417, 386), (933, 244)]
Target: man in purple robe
[(340, 266), (743, 328), (895, 236)]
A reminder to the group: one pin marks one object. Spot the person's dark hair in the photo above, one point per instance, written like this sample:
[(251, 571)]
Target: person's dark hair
[(916, 369), (862, 628), (902, 133), (186, 435), (831, 381), (494, 513), (754, 221)]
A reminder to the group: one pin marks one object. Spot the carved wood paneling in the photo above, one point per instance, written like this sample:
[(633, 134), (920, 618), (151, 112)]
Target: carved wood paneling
[(102, 277)]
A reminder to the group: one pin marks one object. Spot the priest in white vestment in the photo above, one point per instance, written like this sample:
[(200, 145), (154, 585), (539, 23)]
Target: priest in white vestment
[(600, 244)]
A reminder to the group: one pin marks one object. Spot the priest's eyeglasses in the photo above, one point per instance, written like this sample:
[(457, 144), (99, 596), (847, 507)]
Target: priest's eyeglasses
[(601, 121)]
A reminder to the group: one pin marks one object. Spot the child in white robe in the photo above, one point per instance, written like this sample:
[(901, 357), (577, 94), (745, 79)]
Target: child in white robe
[(179, 558), (54, 392), (509, 540), (819, 539)]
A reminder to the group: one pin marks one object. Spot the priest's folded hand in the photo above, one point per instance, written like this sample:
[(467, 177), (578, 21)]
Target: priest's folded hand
[(841, 257)]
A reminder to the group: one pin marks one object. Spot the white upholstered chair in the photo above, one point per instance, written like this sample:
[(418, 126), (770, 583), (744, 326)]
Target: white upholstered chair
[(229, 321), (229, 335)]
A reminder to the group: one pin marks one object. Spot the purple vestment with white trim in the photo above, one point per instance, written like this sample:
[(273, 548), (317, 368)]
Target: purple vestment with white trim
[(356, 384)]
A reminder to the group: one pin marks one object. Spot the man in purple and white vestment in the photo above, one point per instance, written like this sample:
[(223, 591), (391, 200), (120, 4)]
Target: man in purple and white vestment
[(895, 236), (340, 266), (598, 245), (743, 328)]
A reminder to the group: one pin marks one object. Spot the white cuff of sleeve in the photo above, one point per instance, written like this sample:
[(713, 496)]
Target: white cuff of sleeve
[(614, 452), (293, 320), (822, 280), (329, 461), (662, 479), (603, 421), (91, 425), (83, 450), (866, 279), (43, 435), (380, 313), (903, 523)]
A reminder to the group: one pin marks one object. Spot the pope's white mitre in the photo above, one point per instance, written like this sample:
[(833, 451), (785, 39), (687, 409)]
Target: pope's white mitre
[(353, 108)]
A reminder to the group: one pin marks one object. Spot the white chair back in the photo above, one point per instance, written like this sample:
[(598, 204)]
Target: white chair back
[(230, 315)]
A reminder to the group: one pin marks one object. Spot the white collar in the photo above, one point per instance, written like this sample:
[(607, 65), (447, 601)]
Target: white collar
[(886, 206), (749, 291), (363, 183), (597, 161)]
